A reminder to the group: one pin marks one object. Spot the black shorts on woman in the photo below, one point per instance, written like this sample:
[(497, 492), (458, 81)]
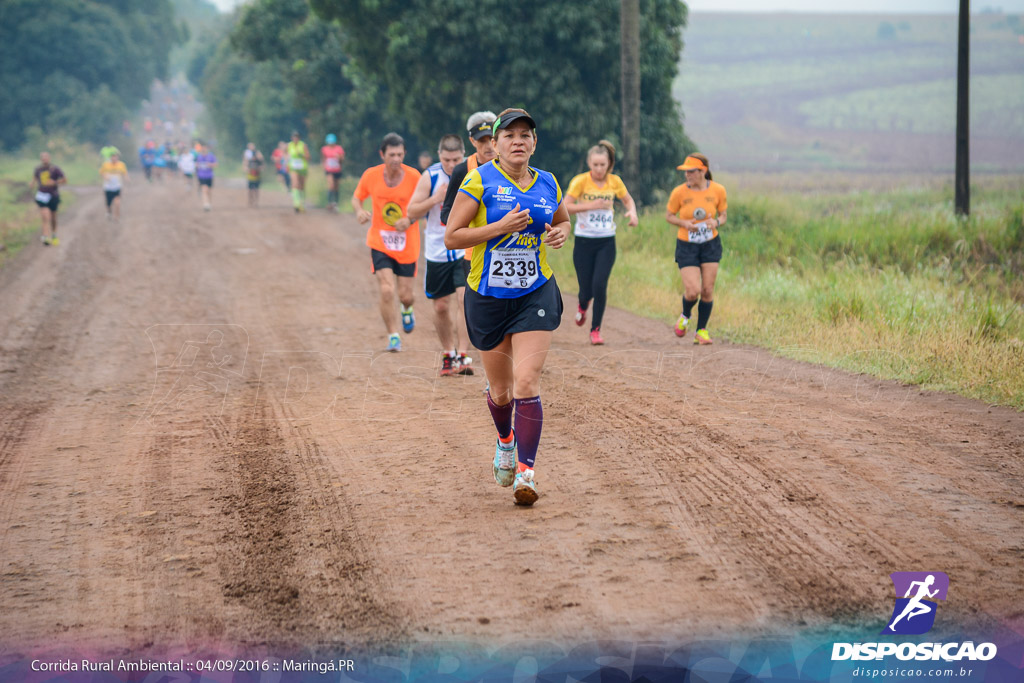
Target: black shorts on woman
[(490, 319), (689, 254)]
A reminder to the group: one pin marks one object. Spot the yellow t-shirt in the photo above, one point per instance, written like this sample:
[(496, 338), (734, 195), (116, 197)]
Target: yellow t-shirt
[(113, 175), (698, 205), (598, 222)]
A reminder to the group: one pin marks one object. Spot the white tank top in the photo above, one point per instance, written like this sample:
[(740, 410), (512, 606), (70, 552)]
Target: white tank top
[(433, 235)]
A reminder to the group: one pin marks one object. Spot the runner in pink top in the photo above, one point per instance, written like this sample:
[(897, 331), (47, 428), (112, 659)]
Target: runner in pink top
[(331, 156)]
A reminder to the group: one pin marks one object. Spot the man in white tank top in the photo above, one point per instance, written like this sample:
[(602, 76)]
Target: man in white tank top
[(446, 275)]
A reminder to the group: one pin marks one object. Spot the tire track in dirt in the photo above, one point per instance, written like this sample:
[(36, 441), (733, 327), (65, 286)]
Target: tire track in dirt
[(293, 559)]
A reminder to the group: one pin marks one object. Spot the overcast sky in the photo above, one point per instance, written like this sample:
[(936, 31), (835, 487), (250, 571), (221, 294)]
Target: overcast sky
[(838, 6)]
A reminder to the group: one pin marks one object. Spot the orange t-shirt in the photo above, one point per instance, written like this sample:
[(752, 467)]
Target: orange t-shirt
[(390, 204), (688, 205)]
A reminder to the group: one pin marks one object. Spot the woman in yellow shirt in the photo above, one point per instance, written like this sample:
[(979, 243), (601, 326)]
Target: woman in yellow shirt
[(115, 175), (590, 197), (697, 208)]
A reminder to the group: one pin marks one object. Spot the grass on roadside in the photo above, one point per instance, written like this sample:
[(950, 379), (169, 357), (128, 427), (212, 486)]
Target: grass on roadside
[(886, 283)]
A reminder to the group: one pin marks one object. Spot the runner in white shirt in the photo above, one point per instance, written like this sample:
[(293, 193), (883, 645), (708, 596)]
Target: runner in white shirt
[(446, 275)]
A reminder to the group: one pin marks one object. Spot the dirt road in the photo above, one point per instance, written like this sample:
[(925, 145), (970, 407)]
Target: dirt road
[(202, 444)]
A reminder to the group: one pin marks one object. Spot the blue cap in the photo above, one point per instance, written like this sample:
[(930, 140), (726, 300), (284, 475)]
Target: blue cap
[(331, 138)]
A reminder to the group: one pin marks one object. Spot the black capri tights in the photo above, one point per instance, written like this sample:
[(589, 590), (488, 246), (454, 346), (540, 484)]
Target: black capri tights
[(594, 258)]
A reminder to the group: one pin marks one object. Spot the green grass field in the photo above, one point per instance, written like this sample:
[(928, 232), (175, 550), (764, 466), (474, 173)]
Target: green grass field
[(850, 92), (887, 283)]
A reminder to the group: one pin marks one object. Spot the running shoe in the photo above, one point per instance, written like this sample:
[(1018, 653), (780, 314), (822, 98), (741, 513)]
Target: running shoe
[(595, 337), (702, 337), (448, 365), (581, 315), (524, 488), (45, 240), (680, 328), (505, 462), (408, 320), (394, 343), (206, 207), (54, 241), (465, 365)]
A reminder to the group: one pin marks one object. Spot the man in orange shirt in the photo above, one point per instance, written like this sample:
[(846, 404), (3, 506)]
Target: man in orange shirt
[(394, 248)]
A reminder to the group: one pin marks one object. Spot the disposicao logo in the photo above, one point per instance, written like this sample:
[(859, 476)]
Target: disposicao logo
[(914, 614)]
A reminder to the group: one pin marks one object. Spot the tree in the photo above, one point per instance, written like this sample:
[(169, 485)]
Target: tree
[(561, 63), (326, 93), (79, 64)]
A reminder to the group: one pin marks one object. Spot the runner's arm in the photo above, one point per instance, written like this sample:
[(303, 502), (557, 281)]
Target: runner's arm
[(673, 219), (362, 215), (558, 229), (721, 219), (627, 201), (421, 201), (458, 234)]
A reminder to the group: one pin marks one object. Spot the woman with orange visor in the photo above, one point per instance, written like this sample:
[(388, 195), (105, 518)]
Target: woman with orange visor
[(697, 208)]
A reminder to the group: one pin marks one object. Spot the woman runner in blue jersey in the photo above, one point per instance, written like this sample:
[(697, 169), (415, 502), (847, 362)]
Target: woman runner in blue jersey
[(514, 212)]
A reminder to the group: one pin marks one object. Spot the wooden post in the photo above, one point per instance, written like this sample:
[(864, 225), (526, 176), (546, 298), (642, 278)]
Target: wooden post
[(629, 56), (962, 199)]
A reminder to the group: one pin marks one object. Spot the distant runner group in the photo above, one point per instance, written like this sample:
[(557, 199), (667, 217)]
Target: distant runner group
[(488, 220)]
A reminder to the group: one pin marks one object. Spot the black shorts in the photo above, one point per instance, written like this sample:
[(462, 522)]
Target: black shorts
[(489, 319), (206, 181), (382, 261), (51, 205), (443, 278), (254, 184), (336, 174), (688, 254), (111, 196)]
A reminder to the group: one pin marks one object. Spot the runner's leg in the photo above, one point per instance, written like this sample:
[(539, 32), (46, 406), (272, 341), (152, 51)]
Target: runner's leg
[(708, 273), (405, 290), (604, 259), (691, 288), (386, 283), (583, 260), (444, 324)]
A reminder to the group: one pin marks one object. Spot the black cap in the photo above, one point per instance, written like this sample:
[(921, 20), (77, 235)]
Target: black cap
[(507, 119), (482, 131)]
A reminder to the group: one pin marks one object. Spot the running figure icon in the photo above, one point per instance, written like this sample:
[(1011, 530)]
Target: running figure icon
[(916, 607)]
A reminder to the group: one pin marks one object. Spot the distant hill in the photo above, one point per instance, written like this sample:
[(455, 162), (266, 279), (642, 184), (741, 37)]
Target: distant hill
[(850, 92)]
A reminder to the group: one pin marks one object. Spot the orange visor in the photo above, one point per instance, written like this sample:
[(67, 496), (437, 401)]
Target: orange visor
[(692, 164)]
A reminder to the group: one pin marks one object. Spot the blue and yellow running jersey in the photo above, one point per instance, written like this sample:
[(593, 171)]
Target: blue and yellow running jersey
[(509, 266)]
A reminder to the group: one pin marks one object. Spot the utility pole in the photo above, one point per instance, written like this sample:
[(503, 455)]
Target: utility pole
[(962, 198), (629, 56)]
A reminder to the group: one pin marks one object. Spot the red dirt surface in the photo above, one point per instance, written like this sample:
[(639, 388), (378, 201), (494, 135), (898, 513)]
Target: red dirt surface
[(202, 444)]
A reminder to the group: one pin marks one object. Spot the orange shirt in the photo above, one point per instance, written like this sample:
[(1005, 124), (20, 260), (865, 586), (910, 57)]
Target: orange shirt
[(685, 203), (390, 204)]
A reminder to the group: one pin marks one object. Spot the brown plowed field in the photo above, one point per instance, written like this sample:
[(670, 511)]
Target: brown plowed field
[(202, 444)]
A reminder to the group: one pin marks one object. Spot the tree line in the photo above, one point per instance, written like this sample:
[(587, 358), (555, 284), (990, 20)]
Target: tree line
[(361, 68), (80, 67)]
